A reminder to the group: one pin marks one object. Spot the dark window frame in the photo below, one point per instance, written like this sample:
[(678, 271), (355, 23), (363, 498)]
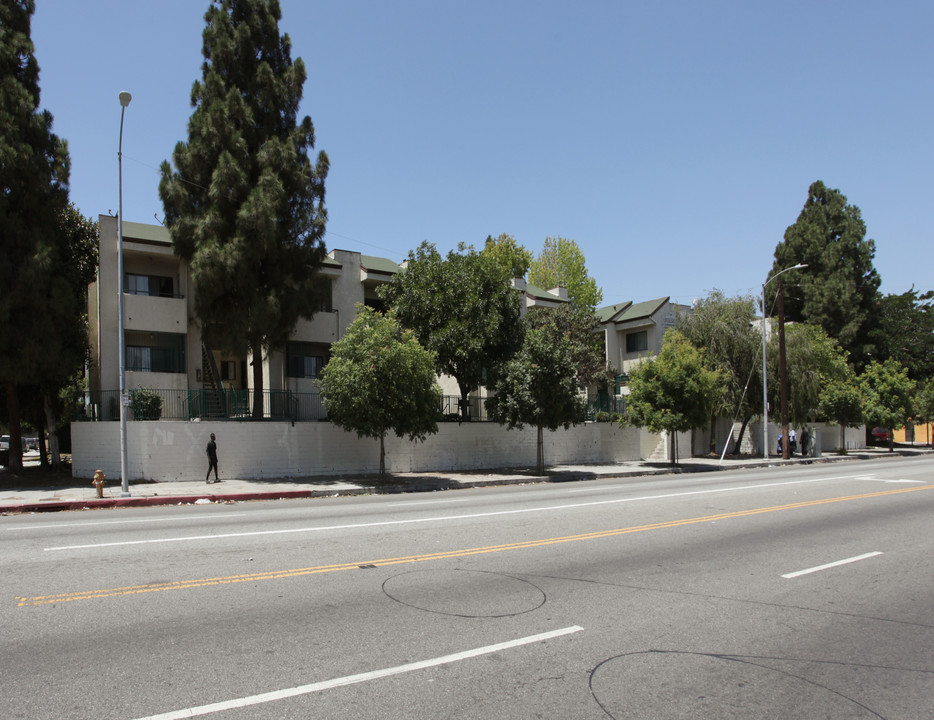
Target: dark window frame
[(304, 360), (156, 285), (637, 341), (155, 352)]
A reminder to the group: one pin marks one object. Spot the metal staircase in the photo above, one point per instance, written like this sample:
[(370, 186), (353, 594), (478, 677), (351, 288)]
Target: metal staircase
[(210, 401)]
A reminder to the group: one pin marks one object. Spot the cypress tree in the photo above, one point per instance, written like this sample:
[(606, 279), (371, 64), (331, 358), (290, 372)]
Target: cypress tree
[(33, 191), (69, 265), (839, 289), (244, 204)]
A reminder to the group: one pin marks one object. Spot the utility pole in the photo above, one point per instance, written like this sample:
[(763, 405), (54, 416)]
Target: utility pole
[(782, 369)]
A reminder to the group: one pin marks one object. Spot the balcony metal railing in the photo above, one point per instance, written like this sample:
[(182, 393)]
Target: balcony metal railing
[(610, 404), (104, 405), (451, 410)]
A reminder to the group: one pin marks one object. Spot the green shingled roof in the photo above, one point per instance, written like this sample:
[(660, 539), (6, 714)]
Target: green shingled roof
[(146, 231), (378, 264), (641, 310), (627, 311), (537, 292), (607, 313)]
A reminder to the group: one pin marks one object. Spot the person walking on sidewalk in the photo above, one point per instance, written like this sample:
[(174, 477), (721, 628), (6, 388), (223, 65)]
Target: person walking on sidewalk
[(212, 460)]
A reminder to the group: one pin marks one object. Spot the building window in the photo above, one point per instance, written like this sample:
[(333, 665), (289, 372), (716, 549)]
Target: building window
[(152, 285), (155, 352), (376, 303), (637, 341), (304, 360), (326, 296)]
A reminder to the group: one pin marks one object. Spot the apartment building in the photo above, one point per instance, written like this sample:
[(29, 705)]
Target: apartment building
[(165, 350), (633, 331)]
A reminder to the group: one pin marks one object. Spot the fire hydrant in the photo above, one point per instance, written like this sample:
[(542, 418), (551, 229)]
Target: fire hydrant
[(98, 482)]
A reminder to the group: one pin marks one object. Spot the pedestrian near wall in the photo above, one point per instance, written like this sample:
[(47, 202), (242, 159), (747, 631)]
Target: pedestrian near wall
[(805, 442), (212, 460)]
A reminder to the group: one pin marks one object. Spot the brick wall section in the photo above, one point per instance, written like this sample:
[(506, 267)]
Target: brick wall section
[(170, 451)]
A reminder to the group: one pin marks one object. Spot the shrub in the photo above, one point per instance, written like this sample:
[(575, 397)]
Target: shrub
[(146, 404), (601, 416)]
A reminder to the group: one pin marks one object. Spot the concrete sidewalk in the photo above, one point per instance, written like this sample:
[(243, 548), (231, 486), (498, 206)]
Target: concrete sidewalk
[(82, 495)]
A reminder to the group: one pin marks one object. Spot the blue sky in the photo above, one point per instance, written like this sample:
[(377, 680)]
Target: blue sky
[(673, 141)]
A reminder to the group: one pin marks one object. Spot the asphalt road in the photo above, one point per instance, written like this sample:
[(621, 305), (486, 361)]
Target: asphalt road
[(800, 592)]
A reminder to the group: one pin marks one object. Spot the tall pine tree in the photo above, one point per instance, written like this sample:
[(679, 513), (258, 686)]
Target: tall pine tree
[(33, 190), (244, 203), (839, 290), (69, 265)]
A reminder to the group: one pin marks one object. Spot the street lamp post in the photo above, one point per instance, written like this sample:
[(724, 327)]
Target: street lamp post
[(765, 388), (125, 98)]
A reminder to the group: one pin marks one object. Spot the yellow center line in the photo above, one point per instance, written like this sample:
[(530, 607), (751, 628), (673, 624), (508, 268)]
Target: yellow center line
[(298, 572)]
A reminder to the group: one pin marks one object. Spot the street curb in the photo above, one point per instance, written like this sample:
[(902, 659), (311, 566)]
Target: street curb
[(95, 503), (414, 485)]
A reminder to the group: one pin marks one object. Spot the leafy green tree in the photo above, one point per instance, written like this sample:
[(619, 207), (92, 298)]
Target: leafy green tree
[(839, 290), (34, 169), (561, 263), (905, 331), (579, 327), (244, 204), (462, 308), (539, 385), (722, 327), (673, 392), (510, 254), (924, 401), (887, 392), (842, 402), (813, 360), (379, 378)]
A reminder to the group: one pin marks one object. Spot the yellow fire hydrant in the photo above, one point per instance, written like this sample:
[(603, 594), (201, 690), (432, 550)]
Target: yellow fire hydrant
[(98, 482)]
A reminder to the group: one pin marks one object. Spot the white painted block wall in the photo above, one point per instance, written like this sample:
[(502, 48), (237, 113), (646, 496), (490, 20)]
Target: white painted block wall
[(170, 451)]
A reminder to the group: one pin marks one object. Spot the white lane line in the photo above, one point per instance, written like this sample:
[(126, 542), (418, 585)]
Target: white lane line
[(424, 502), (123, 522), (362, 677), (441, 518), (874, 478), (788, 576), (705, 476), (595, 488)]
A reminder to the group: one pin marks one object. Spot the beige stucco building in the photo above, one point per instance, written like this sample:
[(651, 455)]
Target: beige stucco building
[(634, 331), (165, 349)]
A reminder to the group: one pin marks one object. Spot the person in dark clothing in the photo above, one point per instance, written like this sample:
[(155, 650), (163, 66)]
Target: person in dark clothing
[(212, 460)]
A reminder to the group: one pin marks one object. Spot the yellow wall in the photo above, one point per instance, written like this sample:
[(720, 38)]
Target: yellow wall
[(923, 434)]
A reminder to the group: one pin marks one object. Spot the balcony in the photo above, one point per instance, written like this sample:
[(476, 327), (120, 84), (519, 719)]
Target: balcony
[(153, 313)]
